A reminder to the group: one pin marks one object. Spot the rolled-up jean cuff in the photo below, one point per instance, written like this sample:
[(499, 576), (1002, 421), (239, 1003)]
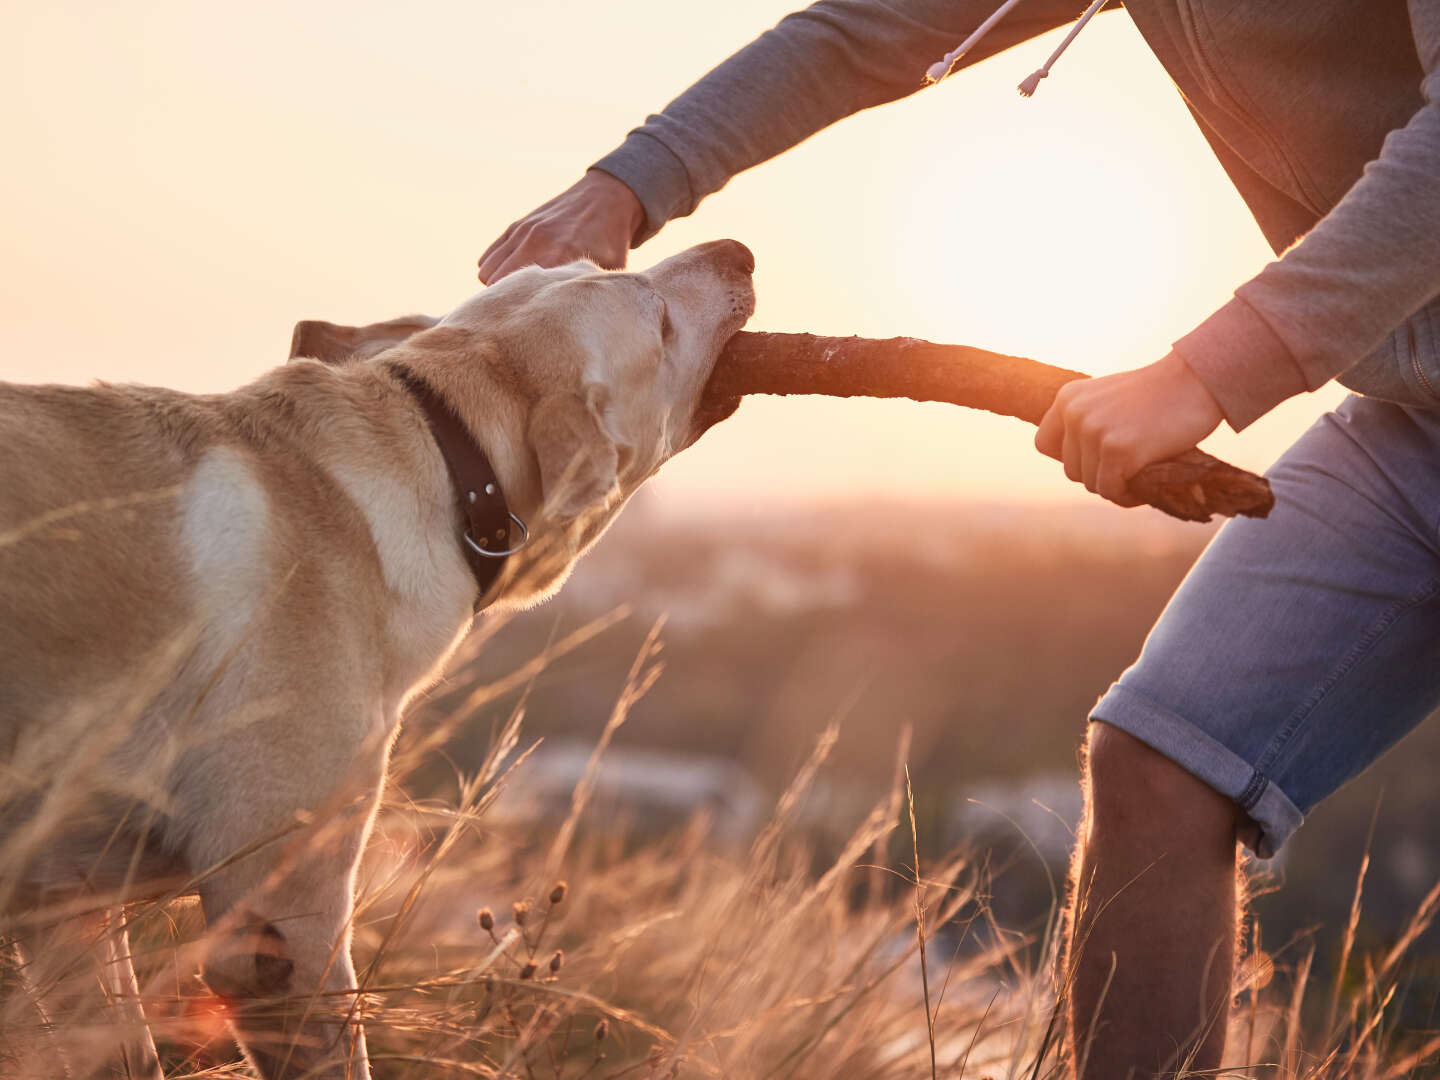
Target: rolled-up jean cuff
[(1273, 815)]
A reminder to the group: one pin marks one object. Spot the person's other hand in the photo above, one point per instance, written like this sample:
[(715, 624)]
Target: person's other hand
[(596, 218), (1107, 429)]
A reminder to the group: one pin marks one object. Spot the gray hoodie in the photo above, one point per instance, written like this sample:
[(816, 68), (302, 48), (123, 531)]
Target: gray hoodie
[(1325, 113)]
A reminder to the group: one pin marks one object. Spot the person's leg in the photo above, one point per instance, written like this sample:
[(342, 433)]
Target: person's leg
[(1153, 916), (1296, 651)]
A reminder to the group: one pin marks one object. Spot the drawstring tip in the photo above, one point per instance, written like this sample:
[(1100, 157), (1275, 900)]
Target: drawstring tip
[(947, 64), (1032, 83)]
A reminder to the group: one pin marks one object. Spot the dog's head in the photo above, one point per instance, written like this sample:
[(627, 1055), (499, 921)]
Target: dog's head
[(579, 383)]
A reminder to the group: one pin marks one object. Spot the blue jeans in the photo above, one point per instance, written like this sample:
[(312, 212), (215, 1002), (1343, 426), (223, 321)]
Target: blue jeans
[(1299, 648)]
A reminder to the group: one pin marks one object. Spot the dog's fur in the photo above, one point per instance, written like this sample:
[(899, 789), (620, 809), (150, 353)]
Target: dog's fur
[(215, 607)]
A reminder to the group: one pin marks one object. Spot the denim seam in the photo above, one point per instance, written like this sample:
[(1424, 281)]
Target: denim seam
[(1357, 652), (1253, 790)]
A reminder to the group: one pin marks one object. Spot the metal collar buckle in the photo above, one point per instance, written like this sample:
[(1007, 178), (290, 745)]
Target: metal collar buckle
[(485, 552)]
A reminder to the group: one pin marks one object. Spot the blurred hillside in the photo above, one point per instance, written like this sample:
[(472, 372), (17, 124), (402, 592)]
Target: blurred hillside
[(989, 630)]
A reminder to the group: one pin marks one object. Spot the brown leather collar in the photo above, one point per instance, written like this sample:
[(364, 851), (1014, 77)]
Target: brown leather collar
[(489, 524)]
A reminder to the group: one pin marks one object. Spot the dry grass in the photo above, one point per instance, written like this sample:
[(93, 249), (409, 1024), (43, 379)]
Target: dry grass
[(573, 951)]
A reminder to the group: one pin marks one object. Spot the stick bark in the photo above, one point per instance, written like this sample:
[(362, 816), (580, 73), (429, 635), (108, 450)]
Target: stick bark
[(1192, 486)]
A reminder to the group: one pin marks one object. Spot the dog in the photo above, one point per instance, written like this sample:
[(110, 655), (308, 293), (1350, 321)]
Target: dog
[(217, 606)]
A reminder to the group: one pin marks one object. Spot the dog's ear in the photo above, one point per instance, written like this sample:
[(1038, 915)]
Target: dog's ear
[(579, 464), (335, 344)]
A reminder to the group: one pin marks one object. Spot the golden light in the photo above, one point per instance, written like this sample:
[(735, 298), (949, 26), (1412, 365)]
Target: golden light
[(185, 183)]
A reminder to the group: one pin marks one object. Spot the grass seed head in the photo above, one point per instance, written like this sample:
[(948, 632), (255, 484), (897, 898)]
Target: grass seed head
[(487, 918), (528, 971), (602, 1029), (557, 894), (557, 960), (522, 911)]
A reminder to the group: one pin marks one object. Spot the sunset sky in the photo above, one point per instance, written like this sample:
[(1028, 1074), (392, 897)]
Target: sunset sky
[(184, 181)]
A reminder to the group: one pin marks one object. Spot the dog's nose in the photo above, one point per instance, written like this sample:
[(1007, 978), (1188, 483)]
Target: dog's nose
[(732, 253)]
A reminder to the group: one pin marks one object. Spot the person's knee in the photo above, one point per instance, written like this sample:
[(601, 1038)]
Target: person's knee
[(1136, 791)]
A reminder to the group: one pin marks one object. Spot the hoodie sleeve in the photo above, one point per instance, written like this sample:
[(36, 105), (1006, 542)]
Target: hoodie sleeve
[(816, 66), (1367, 266)]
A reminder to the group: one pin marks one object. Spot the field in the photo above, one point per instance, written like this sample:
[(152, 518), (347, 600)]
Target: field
[(664, 827)]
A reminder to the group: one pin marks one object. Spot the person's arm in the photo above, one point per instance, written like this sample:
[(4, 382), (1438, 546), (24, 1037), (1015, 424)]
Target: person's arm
[(1369, 264), (816, 66)]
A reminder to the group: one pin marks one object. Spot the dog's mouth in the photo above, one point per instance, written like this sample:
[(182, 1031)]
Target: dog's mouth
[(711, 408)]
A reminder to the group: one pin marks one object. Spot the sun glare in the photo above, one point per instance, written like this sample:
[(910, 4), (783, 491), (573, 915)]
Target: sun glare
[(1088, 227)]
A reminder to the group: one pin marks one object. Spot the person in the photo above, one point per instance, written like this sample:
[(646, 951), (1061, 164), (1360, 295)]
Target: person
[(1299, 647)]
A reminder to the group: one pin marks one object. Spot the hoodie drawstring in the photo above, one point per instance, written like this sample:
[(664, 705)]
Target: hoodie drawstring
[(942, 68)]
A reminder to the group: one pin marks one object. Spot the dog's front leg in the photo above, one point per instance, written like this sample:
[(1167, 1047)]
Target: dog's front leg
[(135, 1057), (279, 952)]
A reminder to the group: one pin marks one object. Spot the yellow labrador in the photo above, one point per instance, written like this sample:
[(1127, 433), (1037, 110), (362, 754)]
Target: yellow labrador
[(216, 607)]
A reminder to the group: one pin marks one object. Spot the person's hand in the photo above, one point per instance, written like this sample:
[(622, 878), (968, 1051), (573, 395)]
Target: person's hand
[(595, 219), (1107, 429)]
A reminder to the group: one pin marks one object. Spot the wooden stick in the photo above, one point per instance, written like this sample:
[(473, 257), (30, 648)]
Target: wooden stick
[(1192, 486)]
